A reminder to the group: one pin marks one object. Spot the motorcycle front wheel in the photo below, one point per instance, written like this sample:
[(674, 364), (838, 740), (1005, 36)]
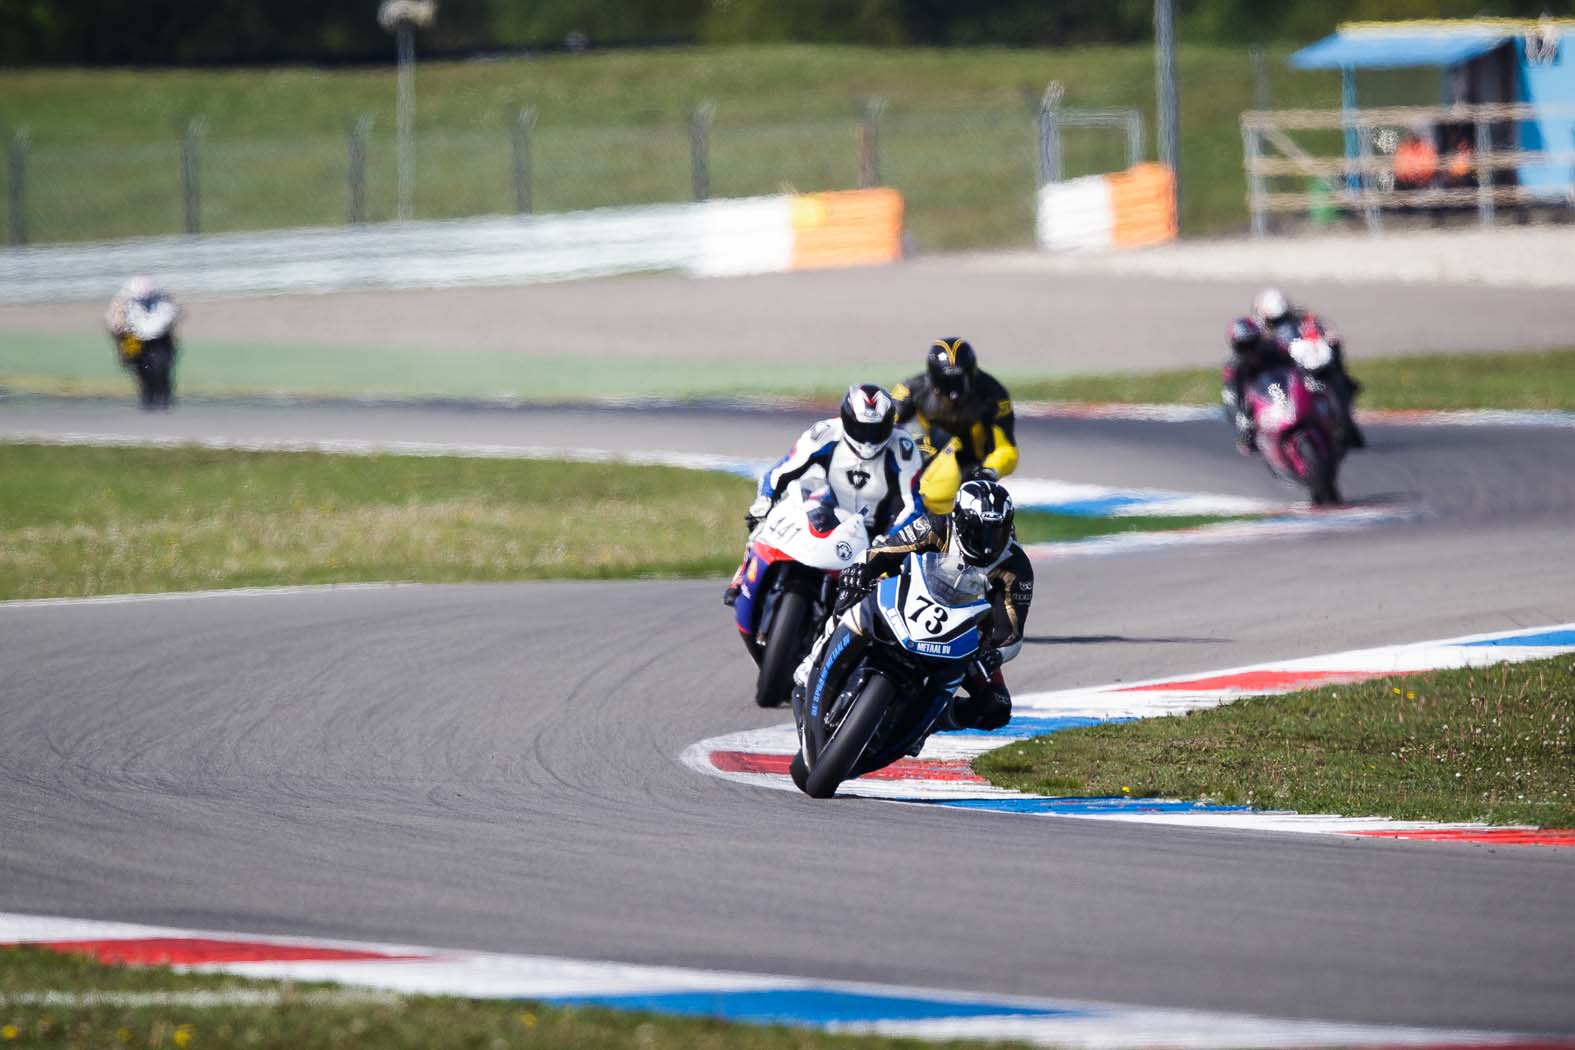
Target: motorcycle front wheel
[(783, 650), (1320, 470), (846, 746)]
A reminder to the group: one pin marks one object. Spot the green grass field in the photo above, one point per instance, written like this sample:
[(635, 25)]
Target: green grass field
[(327, 1017), (956, 139), (1494, 744), (84, 521)]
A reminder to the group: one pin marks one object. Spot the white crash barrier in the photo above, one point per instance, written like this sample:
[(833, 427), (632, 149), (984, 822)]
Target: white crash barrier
[(712, 238), (1125, 209)]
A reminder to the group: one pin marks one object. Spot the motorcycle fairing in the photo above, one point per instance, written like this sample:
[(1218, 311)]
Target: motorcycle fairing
[(921, 622)]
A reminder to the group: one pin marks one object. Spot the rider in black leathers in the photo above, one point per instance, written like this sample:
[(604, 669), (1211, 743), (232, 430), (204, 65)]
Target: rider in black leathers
[(1252, 353)]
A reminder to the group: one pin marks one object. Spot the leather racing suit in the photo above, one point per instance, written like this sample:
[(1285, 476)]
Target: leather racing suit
[(958, 436), (884, 490), (989, 703)]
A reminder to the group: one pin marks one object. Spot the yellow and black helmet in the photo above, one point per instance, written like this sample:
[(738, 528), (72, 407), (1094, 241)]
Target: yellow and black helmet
[(951, 365)]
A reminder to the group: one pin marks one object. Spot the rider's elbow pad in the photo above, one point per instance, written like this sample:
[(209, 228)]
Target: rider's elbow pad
[(1004, 459)]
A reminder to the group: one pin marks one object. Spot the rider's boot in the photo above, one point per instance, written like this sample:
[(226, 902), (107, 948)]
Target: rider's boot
[(736, 587)]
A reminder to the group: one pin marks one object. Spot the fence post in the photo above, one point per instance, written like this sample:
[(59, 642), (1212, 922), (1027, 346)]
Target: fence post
[(16, 185), (524, 124), (1049, 153), (869, 142), (700, 149), (1261, 95), (1134, 138), (190, 180), (1484, 146), (360, 129), (1252, 149)]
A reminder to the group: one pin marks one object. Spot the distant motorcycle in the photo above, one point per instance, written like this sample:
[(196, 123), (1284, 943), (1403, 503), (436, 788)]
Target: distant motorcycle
[(924, 626), (1297, 431), (1319, 359), (790, 582), (147, 349)]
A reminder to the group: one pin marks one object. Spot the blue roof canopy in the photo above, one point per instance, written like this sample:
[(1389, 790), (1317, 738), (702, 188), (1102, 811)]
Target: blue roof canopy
[(1377, 49)]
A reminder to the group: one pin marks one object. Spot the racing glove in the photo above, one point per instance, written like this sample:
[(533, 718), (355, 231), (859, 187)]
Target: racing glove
[(852, 587), (757, 512), (982, 473)]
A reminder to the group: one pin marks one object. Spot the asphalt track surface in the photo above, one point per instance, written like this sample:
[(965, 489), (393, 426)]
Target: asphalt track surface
[(495, 766), (1022, 322)]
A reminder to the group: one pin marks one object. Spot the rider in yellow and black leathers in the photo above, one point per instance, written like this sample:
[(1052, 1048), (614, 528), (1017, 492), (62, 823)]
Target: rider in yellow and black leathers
[(965, 422)]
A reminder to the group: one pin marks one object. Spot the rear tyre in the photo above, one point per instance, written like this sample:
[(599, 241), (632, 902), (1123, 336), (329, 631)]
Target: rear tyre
[(1320, 470), (783, 650), (846, 746)]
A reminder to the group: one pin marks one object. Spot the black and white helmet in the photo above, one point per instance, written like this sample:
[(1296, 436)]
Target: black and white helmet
[(982, 521), (868, 420)]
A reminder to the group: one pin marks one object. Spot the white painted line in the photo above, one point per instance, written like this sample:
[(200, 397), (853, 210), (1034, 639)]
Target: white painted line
[(182, 596)]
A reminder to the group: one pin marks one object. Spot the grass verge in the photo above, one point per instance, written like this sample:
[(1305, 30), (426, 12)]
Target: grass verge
[(1035, 526), (307, 1017), (1522, 380), (83, 521), (1492, 744)]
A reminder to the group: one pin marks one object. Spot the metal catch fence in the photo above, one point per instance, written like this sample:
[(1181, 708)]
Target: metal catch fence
[(968, 173)]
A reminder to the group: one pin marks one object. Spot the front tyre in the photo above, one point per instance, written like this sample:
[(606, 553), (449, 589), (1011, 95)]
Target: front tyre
[(783, 650), (1320, 470), (846, 746)]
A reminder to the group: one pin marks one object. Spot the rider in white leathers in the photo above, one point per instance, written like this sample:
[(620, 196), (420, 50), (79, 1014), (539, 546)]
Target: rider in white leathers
[(871, 467)]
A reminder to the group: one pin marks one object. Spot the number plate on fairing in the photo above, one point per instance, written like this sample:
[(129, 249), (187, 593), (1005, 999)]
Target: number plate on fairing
[(925, 624)]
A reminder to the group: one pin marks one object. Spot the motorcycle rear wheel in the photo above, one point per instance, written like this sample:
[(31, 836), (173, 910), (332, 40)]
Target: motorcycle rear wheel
[(846, 746), (783, 650)]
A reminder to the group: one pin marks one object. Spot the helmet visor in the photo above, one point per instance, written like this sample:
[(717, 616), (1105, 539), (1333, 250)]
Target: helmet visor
[(981, 539), (869, 433)]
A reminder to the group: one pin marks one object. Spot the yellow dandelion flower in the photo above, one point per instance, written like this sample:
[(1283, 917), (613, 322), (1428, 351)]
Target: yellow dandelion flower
[(183, 1035), (10, 1031), (528, 1019)]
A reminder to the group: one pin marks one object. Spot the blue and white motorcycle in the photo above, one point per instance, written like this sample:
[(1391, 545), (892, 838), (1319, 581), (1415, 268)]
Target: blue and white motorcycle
[(924, 629)]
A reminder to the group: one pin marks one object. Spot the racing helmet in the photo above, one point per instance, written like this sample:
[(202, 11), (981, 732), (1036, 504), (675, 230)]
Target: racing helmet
[(1270, 306), (141, 289), (868, 419), (1243, 335), (951, 365), (982, 521)]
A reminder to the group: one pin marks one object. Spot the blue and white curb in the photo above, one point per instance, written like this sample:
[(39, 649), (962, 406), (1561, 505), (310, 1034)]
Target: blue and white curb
[(831, 1006)]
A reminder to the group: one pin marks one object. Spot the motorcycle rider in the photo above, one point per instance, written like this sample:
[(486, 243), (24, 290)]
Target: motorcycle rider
[(1286, 324), (142, 306), (870, 466), (1253, 352), (978, 532), (965, 420)]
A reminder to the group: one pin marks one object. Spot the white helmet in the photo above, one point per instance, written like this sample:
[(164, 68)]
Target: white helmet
[(1270, 305), (140, 289), (868, 420)]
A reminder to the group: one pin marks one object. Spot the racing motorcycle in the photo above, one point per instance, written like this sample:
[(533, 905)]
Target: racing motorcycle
[(925, 627), (1317, 354), (1297, 431), (147, 348), (790, 579)]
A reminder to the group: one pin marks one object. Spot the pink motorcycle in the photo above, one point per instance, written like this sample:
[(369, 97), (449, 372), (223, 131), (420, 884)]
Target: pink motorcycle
[(1297, 432)]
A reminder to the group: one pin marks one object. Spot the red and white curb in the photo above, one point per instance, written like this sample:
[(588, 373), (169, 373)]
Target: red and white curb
[(747, 998), (942, 774)]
